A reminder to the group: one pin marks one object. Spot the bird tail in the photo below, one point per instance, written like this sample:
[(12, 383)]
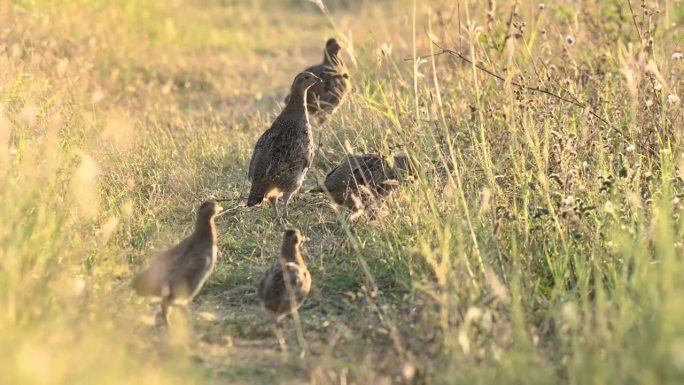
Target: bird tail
[(256, 196), (143, 284)]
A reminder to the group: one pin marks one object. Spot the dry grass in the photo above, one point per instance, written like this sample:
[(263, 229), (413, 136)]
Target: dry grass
[(542, 243)]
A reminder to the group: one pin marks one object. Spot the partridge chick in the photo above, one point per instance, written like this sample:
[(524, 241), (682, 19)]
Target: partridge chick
[(177, 274), (287, 283), (364, 179), (324, 98), (284, 152)]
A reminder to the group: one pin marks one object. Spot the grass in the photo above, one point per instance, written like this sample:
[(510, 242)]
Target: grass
[(542, 243)]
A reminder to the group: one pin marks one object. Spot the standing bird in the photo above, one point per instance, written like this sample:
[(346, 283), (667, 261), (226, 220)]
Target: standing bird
[(177, 274), (324, 98), (284, 152), (287, 283), (364, 179)]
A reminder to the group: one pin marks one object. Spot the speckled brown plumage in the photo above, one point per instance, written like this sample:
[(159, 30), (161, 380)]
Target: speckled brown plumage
[(284, 153), (178, 274), (326, 97), (362, 180), (287, 283)]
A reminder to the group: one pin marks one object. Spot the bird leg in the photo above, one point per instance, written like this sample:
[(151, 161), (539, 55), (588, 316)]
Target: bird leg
[(286, 200), (277, 332), (274, 201), (166, 311)]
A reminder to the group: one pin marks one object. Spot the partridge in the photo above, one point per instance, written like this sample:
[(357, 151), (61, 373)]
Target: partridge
[(284, 152), (364, 179), (324, 98), (287, 283), (178, 274)]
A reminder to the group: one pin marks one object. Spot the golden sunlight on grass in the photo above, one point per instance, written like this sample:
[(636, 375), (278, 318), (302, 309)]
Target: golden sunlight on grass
[(539, 240)]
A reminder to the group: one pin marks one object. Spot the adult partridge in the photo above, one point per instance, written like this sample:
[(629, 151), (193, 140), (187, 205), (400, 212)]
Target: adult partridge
[(324, 98), (362, 180), (178, 274), (284, 153)]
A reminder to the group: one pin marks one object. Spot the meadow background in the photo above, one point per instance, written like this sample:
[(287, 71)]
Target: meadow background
[(542, 243)]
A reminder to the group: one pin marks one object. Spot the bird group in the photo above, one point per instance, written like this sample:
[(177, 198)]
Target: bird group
[(281, 158)]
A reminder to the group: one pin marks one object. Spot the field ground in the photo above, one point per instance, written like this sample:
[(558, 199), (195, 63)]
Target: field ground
[(542, 243)]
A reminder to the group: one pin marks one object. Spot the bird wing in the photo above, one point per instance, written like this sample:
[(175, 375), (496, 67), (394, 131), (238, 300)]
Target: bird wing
[(288, 153), (384, 177), (268, 150), (339, 178), (265, 282), (259, 154), (270, 287), (299, 276), (273, 289), (186, 273), (335, 77), (372, 175), (359, 170), (151, 280)]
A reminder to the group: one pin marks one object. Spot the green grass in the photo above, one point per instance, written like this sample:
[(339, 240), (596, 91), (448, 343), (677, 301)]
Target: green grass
[(540, 245)]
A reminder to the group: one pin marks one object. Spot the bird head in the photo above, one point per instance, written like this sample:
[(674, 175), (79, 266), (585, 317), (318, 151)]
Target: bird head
[(332, 47), (304, 81), (293, 237), (291, 249), (209, 209), (405, 165)]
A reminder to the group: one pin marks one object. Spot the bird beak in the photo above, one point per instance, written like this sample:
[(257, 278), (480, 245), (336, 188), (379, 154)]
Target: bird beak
[(318, 80)]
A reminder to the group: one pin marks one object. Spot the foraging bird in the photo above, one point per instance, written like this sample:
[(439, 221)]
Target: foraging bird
[(324, 98), (287, 283), (363, 179), (177, 274), (284, 153)]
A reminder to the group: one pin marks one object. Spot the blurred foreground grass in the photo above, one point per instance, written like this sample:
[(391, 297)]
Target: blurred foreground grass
[(541, 245)]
